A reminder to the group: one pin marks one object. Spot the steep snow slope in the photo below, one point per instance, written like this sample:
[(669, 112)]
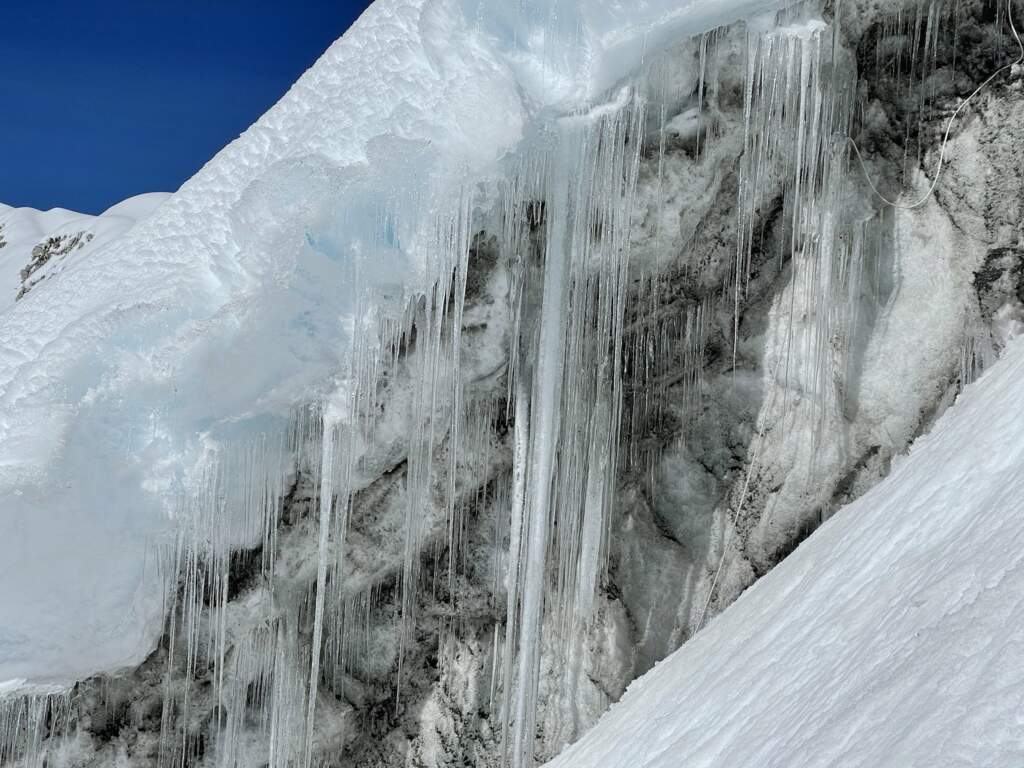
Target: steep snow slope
[(894, 636)]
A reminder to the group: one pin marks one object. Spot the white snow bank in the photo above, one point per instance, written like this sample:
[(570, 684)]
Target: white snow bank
[(894, 636), (124, 377), (137, 207)]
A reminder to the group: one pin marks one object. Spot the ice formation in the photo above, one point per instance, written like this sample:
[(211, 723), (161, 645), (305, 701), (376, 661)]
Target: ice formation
[(442, 374)]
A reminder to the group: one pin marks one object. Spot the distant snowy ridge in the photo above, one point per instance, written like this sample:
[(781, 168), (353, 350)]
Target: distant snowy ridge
[(23, 230)]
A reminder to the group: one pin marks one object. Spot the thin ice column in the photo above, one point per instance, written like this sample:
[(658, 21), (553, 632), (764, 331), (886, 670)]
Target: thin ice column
[(571, 356)]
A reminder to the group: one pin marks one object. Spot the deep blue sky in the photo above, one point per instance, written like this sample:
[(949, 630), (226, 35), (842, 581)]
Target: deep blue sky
[(104, 99)]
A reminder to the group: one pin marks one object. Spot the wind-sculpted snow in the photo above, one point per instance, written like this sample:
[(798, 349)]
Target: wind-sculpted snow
[(127, 380), (127, 370), (891, 637)]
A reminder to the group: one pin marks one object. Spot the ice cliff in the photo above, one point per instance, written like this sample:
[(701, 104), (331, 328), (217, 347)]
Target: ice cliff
[(488, 367)]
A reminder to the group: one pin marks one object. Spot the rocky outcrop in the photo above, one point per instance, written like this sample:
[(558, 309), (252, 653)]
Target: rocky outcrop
[(57, 247)]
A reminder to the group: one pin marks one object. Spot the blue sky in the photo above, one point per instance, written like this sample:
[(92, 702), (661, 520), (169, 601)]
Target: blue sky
[(104, 99)]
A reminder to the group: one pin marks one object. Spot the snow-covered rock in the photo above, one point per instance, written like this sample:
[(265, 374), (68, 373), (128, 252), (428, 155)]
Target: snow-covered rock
[(36, 244)]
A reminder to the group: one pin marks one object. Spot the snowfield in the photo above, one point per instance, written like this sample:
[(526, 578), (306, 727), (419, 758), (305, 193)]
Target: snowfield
[(894, 636)]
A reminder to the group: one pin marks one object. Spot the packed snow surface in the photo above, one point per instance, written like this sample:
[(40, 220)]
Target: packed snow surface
[(125, 376), (894, 636)]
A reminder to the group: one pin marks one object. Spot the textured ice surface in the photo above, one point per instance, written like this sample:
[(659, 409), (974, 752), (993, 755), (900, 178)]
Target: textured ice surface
[(127, 374), (891, 637)]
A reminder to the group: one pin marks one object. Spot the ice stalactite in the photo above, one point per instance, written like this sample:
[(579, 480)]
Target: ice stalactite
[(917, 61), (270, 658), (799, 103), (666, 348), (326, 504), (31, 726), (806, 282), (568, 388)]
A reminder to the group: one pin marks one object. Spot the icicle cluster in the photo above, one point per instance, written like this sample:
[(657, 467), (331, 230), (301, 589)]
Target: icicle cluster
[(28, 722), (799, 103), (908, 68), (564, 233), (567, 387)]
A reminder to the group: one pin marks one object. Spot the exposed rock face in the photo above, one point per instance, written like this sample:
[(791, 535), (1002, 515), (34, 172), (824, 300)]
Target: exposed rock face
[(753, 408), (56, 247)]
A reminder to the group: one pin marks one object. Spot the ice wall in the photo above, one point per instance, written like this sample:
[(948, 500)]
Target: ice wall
[(149, 395)]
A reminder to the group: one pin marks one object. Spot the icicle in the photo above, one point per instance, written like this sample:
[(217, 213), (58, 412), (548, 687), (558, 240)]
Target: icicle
[(544, 425), (28, 724), (326, 503), (793, 118), (513, 577), (571, 357)]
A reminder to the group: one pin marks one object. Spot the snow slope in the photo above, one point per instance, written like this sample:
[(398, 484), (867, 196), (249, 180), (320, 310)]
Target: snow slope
[(23, 229), (894, 636), (126, 377)]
